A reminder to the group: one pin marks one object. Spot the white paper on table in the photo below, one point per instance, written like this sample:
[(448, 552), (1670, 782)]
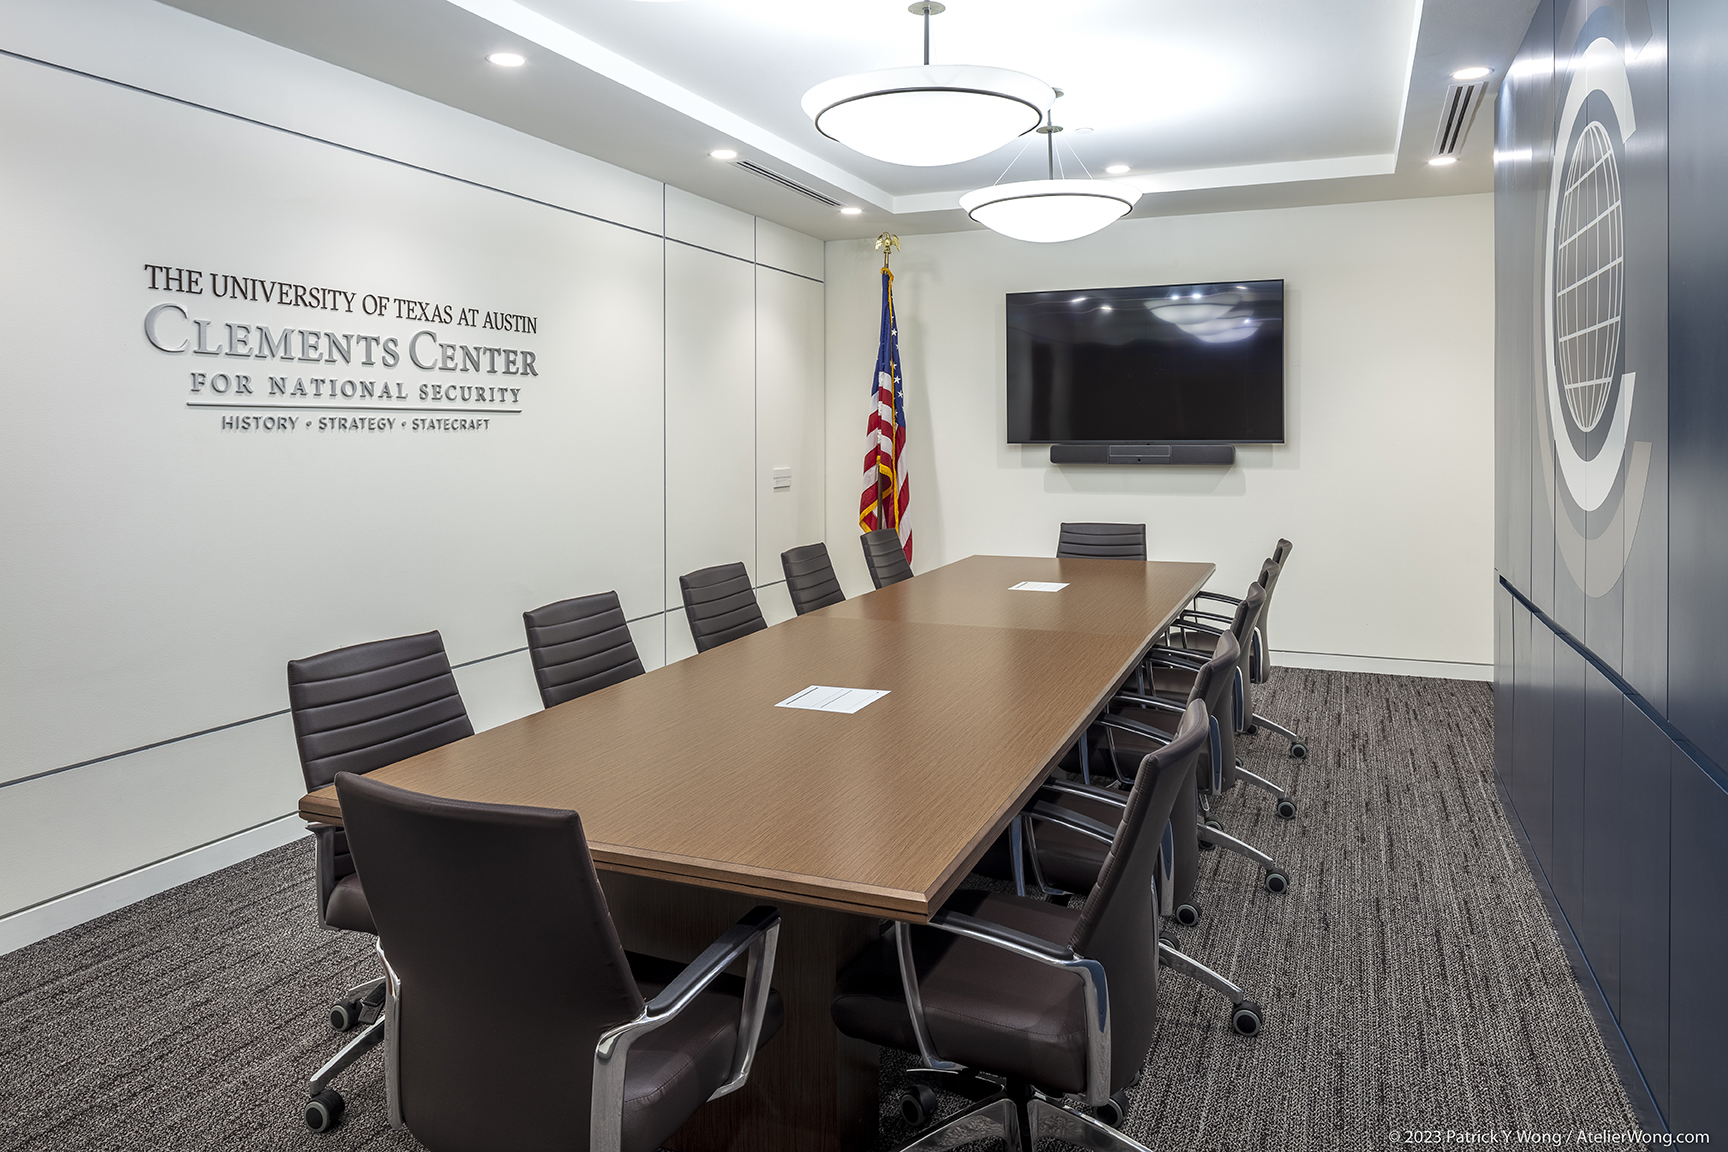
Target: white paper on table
[(823, 698), (1036, 586)]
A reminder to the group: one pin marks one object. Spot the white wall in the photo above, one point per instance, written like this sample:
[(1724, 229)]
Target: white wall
[(159, 570), (1384, 484)]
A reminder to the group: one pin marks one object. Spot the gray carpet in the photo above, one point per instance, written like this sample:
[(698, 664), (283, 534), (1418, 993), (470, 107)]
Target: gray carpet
[(1411, 976)]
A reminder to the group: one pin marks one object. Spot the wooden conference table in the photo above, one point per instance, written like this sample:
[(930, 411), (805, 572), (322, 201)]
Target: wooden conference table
[(700, 798)]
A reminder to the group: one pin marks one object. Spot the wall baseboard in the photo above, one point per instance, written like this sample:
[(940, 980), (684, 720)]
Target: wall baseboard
[(1384, 665), (43, 920)]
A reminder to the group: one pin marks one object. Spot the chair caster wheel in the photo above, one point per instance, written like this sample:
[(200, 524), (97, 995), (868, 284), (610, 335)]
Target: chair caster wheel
[(919, 1105), (1298, 751), (345, 1015), (1286, 809), (1277, 882), (1114, 1110), (324, 1111), (1247, 1018), (1187, 915), (1169, 941), (1209, 822), (1251, 729)]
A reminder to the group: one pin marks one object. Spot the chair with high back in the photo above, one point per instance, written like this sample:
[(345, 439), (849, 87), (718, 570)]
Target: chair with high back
[(357, 709), (1065, 861), (580, 646), (720, 605), (810, 577), (1059, 1003), (1105, 541), (596, 1048), (1260, 661), (1199, 637), (885, 556)]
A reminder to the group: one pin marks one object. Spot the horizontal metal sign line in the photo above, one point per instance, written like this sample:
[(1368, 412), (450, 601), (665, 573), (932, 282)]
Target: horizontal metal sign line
[(361, 408)]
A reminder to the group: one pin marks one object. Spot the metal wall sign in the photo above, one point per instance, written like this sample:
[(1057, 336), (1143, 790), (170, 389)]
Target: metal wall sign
[(363, 362)]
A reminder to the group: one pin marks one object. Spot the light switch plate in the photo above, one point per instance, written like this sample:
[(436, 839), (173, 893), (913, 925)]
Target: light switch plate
[(782, 478)]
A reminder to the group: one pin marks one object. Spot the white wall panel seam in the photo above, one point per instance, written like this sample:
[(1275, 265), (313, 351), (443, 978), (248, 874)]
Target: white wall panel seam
[(740, 259), (323, 140)]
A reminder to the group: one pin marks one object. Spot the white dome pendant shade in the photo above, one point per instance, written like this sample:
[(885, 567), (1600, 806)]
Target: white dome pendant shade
[(1050, 211), (924, 116), (930, 115)]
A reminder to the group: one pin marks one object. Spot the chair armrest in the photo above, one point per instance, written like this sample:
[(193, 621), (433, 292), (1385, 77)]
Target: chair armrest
[(1184, 658), (1195, 612), (1153, 703), (1122, 724), (1218, 596), (714, 960), (1060, 788), (1074, 821), (757, 934)]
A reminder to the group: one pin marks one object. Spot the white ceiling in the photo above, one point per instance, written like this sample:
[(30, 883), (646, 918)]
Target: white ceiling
[(1215, 105)]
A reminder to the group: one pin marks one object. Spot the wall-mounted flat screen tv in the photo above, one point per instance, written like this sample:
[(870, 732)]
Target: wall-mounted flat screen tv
[(1174, 363)]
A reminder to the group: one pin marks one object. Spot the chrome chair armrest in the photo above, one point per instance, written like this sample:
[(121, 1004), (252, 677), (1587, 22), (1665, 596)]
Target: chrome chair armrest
[(1153, 703), (758, 935), (1060, 788), (1075, 821), (1121, 724), (1231, 600), (1196, 613), (1186, 659)]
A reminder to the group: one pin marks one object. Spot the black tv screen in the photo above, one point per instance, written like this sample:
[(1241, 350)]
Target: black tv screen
[(1174, 363)]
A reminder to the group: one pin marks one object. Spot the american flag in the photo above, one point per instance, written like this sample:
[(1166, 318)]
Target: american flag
[(882, 502)]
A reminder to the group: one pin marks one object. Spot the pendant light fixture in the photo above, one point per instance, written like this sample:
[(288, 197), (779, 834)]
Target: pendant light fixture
[(1053, 210), (930, 115)]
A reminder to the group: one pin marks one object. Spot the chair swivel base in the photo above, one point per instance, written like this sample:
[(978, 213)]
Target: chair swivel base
[(1246, 1016), (1212, 835), (1023, 1118), (1298, 750), (324, 1105)]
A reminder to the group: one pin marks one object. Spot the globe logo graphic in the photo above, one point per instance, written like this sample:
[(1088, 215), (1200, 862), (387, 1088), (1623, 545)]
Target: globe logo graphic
[(1588, 276)]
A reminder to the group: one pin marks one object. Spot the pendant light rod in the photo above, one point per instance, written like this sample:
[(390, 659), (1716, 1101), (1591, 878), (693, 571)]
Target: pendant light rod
[(1048, 130), (927, 9)]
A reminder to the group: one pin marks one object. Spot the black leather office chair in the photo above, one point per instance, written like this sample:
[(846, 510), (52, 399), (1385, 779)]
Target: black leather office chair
[(1060, 1003), (515, 1018), (1067, 861), (1137, 722), (580, 646), (356, 709), (1244, 624), (1260, 661), (887, 560), (720, 605), (1107, 541), (810, 578)]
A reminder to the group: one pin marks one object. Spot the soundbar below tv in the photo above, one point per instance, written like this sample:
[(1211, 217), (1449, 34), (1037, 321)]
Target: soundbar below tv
[(1172, 373)]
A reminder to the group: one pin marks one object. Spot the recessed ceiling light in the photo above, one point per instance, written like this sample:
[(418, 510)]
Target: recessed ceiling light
[(508, 59), (724, 154), (1117, 169), (1475, 73), (850, 211), (1442, 161)]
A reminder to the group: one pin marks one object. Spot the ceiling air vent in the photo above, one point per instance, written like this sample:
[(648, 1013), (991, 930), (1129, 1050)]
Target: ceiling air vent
[(787, 182), (1456, 116)]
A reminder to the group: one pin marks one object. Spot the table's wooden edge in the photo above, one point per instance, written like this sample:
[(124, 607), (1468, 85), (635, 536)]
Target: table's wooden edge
[(320, 808)]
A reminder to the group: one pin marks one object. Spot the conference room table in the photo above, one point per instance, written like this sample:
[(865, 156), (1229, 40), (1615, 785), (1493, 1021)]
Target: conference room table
[(701, 798)]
